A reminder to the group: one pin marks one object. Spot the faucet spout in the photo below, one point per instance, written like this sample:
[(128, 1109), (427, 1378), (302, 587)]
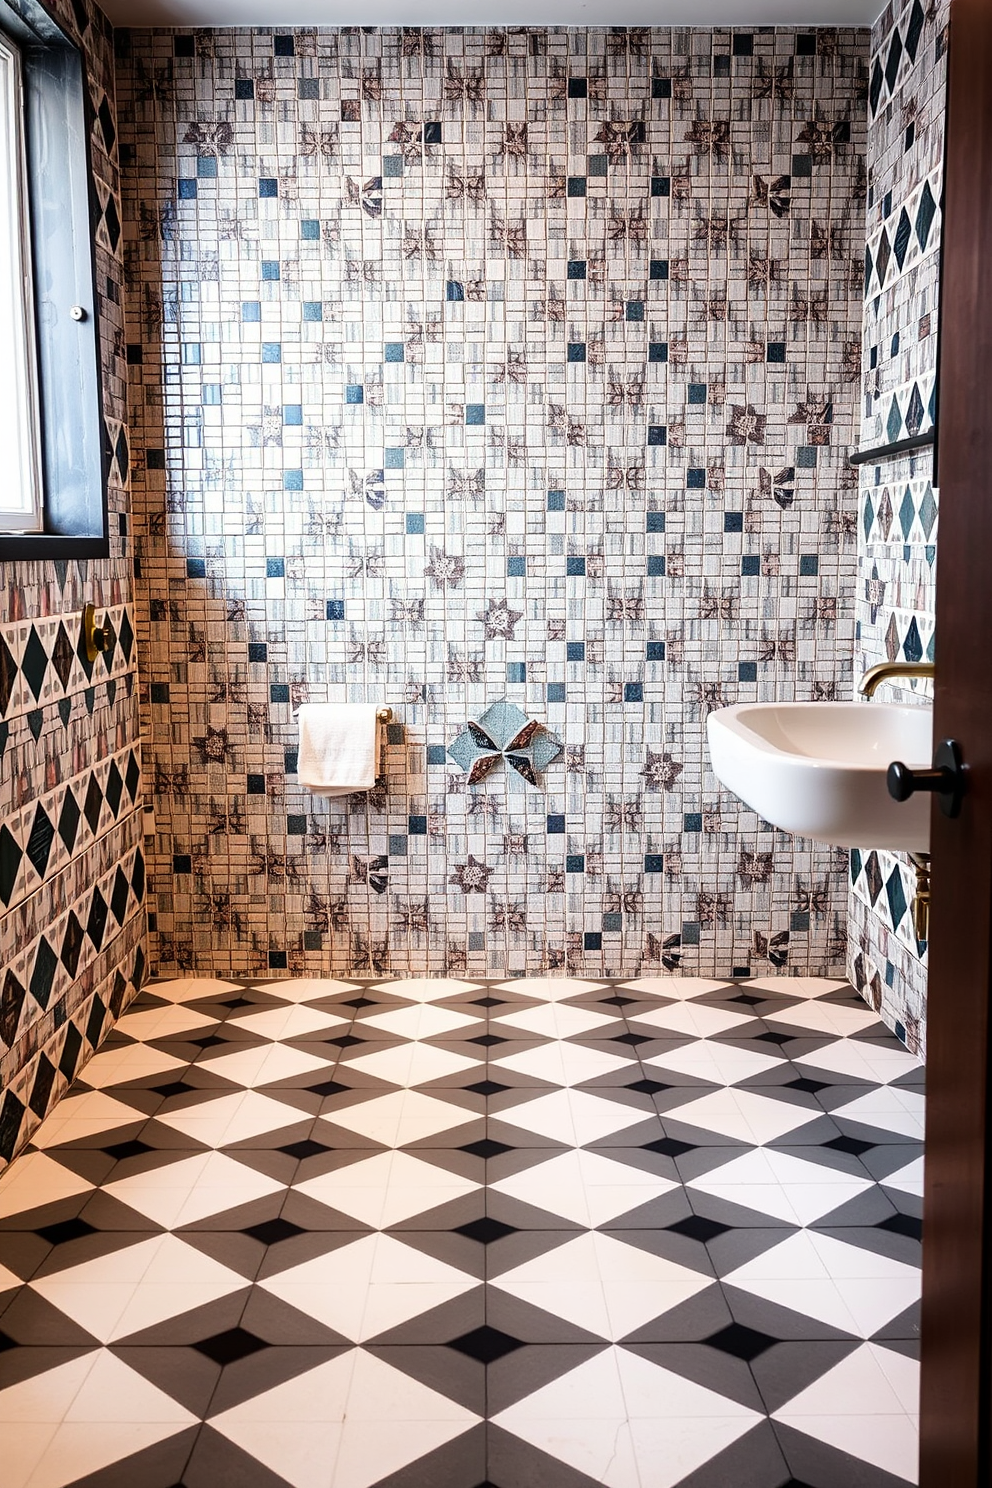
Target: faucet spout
[(887, 671)]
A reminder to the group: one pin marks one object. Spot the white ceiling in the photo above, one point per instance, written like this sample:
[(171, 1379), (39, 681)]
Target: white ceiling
[(493, 12)]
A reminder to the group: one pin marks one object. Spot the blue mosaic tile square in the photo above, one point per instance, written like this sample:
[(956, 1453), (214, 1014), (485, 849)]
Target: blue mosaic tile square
[(206, 167), (635, 310), (244, 88), (417, 826), (210, 394), (799, 921), (661, 87), (284, 46), (454, 291), (556, 501), (696, 392), (310, 229), (612, 924), (397, 845), (802, 166), (690, 932), (268, 186), (657, 434), (656, 565), (296, 826), (806, 456), (395, 459), (476, 940), (556, 826), (415, 523), (575, 651), (192, 353), (576, 351), (392, 166), (308, 88), (432, 132), (436, 754), (576, 186), (750, 566), (658, 268), (747, 671), (279, 692), (661, 186), (692, 821), (575, 863), (556, 692), (775, 351), (633, 692), (575, 567), (516, 566), (597, 165), (187, 189), (354, 393), (292, 414), (255, 785), (271, 351), (291, 762), (578, 87), (196, 568), (516, 671), (733, 521), (251, 310), (475, 413), (335, 609), (655, 521), (275, 568), (576, 268), (270, 269), (695, 479), (658, 351), (292, 480), (395, 351), (809, 565), (592, 940), (257, 651), (654, 863), (313, 309), (654, 650)]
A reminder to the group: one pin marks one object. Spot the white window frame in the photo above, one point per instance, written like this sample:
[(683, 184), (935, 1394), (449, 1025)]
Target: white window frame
[(21, 496)]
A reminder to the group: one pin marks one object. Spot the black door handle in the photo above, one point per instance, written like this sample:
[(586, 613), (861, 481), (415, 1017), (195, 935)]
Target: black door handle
[(946, 779)]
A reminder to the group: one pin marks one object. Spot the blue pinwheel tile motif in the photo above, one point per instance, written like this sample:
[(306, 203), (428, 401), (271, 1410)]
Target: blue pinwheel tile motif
[(503, 732)]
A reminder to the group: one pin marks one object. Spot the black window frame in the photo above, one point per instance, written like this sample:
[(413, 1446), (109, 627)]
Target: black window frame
[(64, 212)]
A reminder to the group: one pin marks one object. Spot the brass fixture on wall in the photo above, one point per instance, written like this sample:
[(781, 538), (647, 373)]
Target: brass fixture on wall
[(921, 899), (888, 671), (97, 639)]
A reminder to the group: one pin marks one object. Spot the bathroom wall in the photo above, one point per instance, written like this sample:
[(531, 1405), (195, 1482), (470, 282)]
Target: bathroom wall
[(897, 527), (71, 866), (473, 364)]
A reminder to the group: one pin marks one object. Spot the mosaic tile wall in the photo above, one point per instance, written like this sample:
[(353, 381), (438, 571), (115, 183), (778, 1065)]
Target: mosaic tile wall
[(897, 531), (71, 864), (475, 364)]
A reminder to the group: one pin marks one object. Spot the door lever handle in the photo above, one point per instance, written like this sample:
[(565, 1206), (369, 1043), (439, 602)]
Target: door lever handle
[(946, 779)]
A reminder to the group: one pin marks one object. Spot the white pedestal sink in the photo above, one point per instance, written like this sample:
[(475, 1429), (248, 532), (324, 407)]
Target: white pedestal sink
[(818, 769)]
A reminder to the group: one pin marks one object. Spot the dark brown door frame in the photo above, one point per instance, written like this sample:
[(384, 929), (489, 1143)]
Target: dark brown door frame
[(957, 1236)]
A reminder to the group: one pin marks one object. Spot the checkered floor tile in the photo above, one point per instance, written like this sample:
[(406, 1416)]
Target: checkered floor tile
[(470, 1235)]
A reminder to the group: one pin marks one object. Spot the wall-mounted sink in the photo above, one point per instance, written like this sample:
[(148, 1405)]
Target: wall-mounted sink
[(818, 769)]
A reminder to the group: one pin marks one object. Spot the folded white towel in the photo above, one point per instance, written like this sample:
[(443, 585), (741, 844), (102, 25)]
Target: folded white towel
[(339, 747)]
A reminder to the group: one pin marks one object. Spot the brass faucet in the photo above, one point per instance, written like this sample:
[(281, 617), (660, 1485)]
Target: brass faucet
[(887, 671)]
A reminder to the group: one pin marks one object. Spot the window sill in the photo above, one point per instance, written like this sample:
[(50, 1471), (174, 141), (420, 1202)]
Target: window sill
[(16, 547)]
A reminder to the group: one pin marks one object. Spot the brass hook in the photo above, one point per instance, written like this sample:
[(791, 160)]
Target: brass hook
[(96, 638)]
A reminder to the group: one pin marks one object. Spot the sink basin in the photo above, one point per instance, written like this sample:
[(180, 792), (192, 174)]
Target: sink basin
[(818, 769)]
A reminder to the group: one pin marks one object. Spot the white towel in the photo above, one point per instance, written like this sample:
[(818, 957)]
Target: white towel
[(339, 747)]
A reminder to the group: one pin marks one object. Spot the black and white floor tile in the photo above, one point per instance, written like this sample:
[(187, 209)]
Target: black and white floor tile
[(452, 1234)]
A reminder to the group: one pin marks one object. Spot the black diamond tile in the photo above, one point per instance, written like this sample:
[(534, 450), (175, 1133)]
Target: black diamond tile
[(106, 116), (852, 1145), (11, 1002), (111, 217), (308, 1148), (121, 1150), (902, 1224), (747, 999), (40, 841), (271, 1231), (809, 1087), (914, 30), (617, 1001), (485, 1230), (358, 1002), (66, 1230), (118, 899), (893, 60), (97, 922), (486, 1148), (648, 1087), (45, 966), (95, 1022), (229, 1347), (485, 1344), (41, 1090), (695, 1227), (486, 1087), (772, 1038), (900, 243), (487, 1039), (138, 877), (668, 1147), (62, 657), (123, 456), (132, 776), (35, 663), (8, 675), (345, 1042), (209, 1041), (173, 1087), (328, 1087), (69, 820), (72, 944), (486, 1002), (71, 1047), (10, 862), (125, 636), (743, 1343), (114, 788), (631, 1038), (93, 804)]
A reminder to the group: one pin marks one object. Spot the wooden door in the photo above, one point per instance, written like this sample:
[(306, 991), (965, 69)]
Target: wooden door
[(957, 1225)]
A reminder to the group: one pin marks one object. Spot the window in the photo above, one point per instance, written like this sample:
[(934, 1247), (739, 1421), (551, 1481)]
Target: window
[(20, 491), (52, 436)]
